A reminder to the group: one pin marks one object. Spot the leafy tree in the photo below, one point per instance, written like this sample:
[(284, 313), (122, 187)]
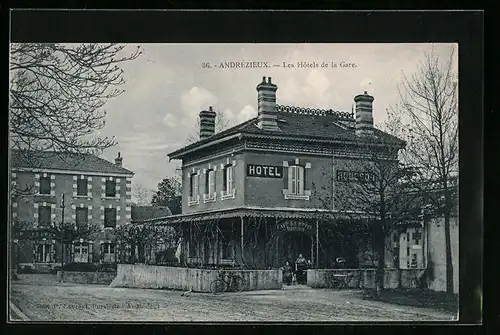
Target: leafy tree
[(169, 194), (57, 92), (134, 240), (64, 234)]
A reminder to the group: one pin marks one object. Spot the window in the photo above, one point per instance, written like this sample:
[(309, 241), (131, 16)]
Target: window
[(194, 187), (44, 214), (82, 187), (81, 253), (296, 179), (45, 185), (210, 182), (108, 252), (417, 236), (82, 216), (228, 178), (110, 188), (44, 253), (209, 195), (110, 217)]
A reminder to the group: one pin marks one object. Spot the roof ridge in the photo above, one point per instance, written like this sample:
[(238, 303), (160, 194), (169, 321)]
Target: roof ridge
[(60, 160), (314, 111)]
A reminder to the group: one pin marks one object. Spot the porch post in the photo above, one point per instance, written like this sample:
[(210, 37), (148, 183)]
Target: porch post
[(317, 243), (312, 250), (241, 241), (216, 242)]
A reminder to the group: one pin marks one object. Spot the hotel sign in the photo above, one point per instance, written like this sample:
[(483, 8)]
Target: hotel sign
[(264, 171)]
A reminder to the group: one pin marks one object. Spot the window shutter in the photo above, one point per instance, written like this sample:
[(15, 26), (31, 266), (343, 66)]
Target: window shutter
[(300, 179), (229, 183), (232, 178), (293, 179), (286, 178), (196, 185)]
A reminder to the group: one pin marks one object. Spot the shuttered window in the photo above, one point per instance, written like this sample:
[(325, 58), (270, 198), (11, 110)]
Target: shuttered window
[(228, 178), (210, 182), (296, 179)]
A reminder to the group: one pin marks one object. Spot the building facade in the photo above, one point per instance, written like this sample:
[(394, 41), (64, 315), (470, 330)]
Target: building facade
[(50, 190), (262, 192)]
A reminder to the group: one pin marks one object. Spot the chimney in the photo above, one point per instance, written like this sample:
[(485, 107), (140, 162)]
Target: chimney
[(118, 160), (207, 123), (364, 114), (266, 98)]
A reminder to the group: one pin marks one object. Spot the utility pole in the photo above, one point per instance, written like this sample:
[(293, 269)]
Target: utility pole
[(62, 232)]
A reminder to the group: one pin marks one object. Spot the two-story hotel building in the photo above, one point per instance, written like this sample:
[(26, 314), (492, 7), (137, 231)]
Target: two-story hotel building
[(94, 190), (251, 193)]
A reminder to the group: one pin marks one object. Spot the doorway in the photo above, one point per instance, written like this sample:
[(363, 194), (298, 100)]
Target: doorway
[(295, 243)]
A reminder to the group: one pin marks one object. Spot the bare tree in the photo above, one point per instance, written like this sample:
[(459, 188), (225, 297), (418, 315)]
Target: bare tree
[(428, 111), (371, 190), (221, 123), (57, 92), (142, 196)]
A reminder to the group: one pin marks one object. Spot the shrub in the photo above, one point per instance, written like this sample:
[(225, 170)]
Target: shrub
[(80, 267)]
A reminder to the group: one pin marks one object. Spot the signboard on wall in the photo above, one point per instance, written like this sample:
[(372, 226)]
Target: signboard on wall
[(355, 176), (294, 226), (264, 171)]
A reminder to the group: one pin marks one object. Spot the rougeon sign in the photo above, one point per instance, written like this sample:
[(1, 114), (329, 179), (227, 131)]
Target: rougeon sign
[(265, 171)]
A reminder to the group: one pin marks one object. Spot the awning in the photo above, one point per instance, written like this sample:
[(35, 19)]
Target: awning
[(278, 213)]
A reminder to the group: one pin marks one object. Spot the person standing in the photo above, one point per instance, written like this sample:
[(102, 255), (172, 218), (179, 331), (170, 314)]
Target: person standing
[(300, 266), (287, 273)]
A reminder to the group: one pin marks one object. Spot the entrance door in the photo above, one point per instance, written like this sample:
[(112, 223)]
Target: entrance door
[(293, 244), (81, 254)]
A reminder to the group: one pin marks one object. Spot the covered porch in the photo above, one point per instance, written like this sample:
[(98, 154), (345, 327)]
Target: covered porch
[(265, 238)]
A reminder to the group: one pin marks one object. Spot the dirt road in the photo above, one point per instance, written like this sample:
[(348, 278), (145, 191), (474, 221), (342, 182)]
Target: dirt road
[(46, 300)]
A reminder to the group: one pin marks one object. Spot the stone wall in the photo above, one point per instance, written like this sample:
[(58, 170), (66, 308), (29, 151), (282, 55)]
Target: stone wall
[(365, 278), (197, 280), (101, 278)]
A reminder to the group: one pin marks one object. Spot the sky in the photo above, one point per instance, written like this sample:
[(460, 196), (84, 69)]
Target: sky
[(167, 86)]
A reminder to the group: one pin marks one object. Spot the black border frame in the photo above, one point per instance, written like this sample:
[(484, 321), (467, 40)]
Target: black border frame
[(193, 26)]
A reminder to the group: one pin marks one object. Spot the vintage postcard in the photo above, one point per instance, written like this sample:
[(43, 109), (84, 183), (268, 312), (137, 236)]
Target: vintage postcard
[(233, 182)]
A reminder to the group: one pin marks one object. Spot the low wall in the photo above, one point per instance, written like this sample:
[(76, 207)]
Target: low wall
[(365, 278), (102, 278), (197, 280)]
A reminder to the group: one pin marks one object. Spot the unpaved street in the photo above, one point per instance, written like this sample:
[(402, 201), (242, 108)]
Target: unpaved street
[(46, 300)]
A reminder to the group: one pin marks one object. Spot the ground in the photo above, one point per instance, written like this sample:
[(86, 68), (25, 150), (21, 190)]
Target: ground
[(41, 298)]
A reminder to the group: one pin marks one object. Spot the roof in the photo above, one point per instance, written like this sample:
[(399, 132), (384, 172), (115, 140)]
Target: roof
[(277, 212), (63, 161), (144, 213), (302, 124)]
